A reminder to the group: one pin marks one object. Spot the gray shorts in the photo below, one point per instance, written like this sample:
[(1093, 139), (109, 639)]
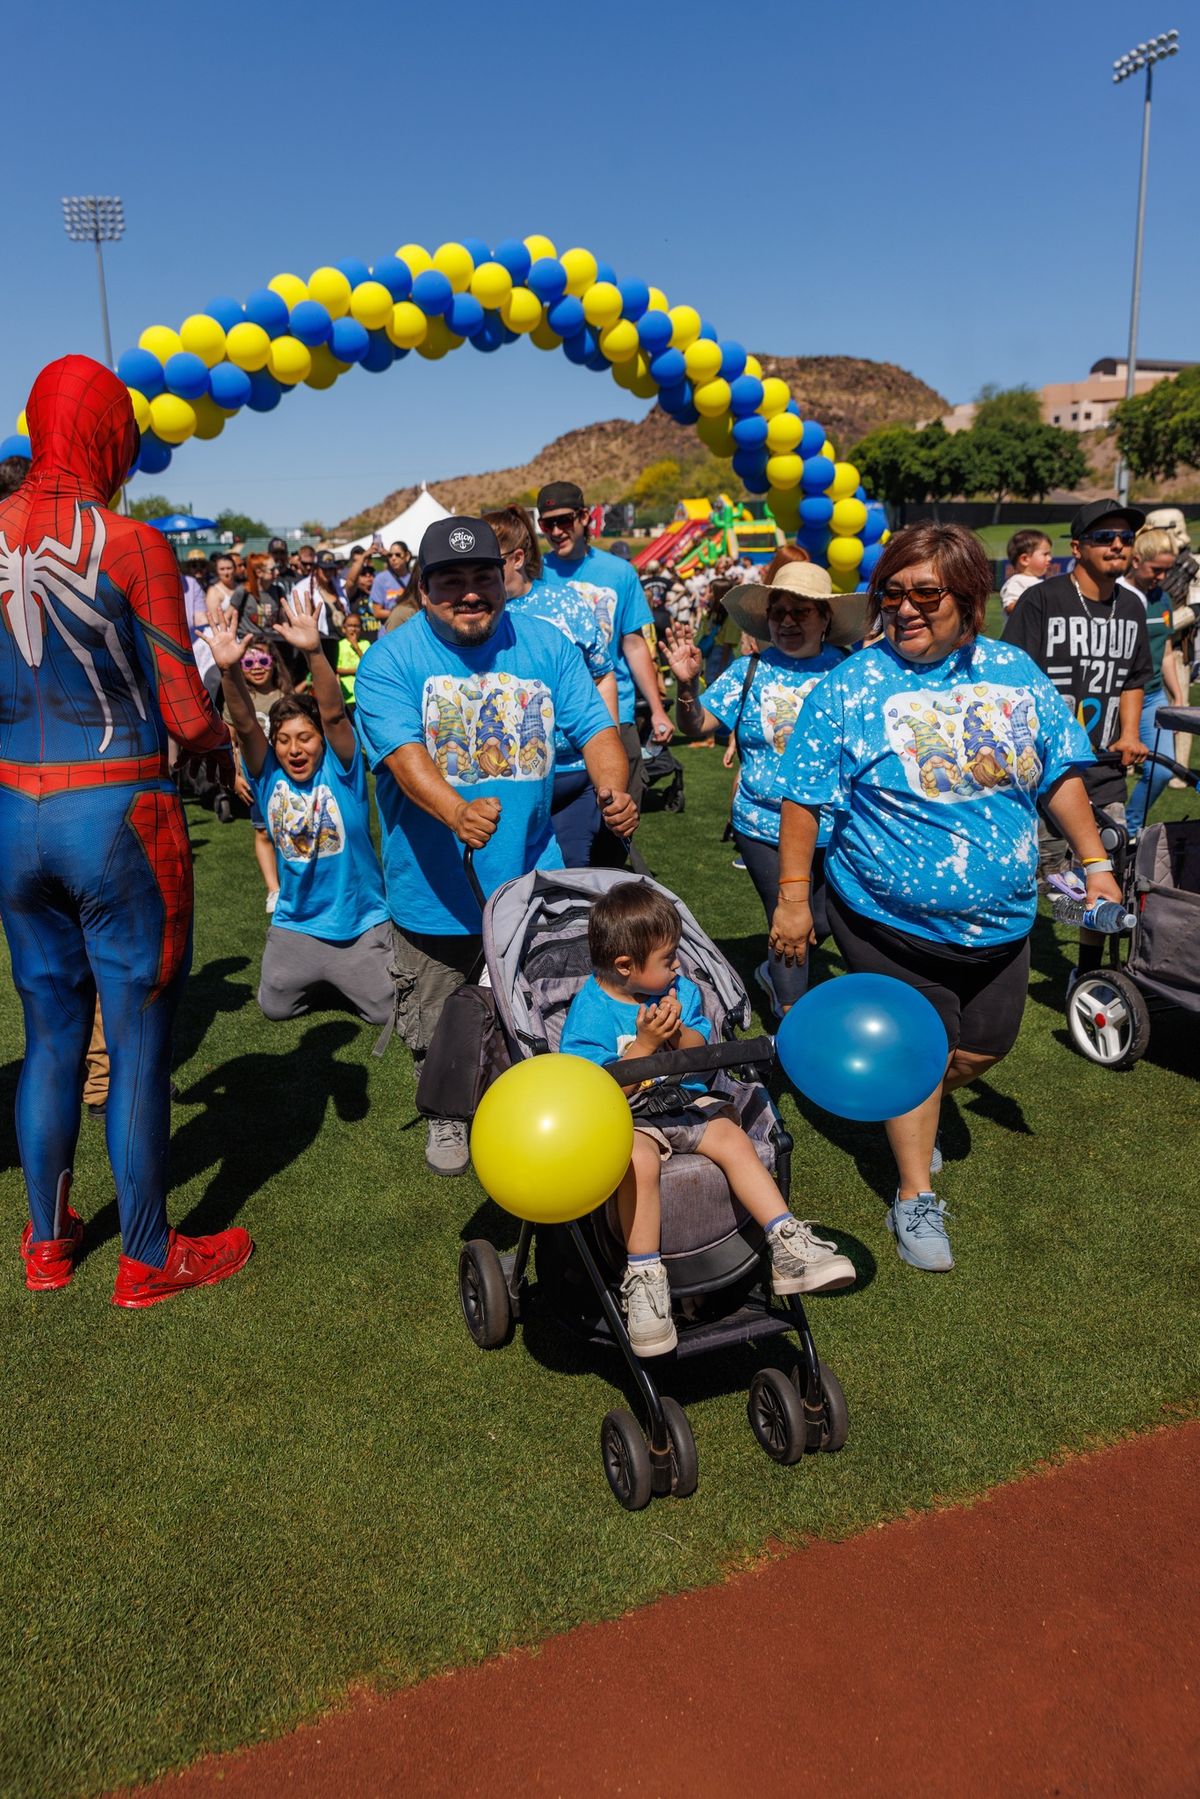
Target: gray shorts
[(1054, 853), (679, 1133), (300, 973), (428, 970)]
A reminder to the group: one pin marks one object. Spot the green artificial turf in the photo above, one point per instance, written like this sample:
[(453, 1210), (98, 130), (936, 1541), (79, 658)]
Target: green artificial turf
[(222, 1513)]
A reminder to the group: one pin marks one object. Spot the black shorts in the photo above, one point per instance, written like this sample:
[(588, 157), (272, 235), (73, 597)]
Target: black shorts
[(979, 995)]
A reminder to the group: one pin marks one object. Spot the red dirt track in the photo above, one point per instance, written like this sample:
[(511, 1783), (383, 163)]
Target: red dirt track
[(1042, 1641)]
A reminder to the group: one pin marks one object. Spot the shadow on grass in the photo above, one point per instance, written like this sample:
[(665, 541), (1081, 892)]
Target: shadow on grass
[(208, 992), (10, 1074)]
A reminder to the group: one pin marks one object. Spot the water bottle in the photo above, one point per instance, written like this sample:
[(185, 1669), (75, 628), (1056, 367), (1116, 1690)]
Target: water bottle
[(1106, 916)]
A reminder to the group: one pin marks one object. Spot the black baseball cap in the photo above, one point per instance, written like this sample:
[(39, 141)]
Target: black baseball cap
[(560, 496), (326, 559), (1087, 516), (453, 540)]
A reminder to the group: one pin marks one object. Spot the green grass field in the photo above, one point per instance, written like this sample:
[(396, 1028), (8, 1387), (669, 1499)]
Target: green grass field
[(221, 1514)]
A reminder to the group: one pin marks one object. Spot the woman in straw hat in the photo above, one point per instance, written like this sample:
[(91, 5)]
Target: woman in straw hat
[(803, 626)]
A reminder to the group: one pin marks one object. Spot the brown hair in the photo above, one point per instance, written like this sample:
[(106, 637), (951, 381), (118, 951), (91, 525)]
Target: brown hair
[(514, 531), (787, 552), (632, 920), (279, 670), (1023, 543), (293, 705), (958, 560)]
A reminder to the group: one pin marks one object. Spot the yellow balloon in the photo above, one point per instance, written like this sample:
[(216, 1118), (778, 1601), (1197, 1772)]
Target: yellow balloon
[(845, 581), (141, 410), (440, 337), (247, 346), (641, 381), (776, 394), (416, 256), (785, 506), (658, 301), (433, 349), (685, 326), (753, 367), (784, 431), (623, 373), (204, 337), (539, 246), (620, 342), (580, 266), (845, 479), (290, 288), (702, 361), (371, 304), (849, 517), (331, 288), (210, 420), (885, 537), (408, 327), (456, 264), (325, 368), (716, 433), (491, 285), (289, 360), (544, 338), (844, 554), (22, 424), (522, 311), (602, 304), (712, 399), (171, 418), (161, 341), (552, 1138), (784, 471)]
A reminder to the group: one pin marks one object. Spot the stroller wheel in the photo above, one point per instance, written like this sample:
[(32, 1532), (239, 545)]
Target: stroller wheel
[(626, 1460), (685, 1467), (776, 1416), (483, 1293), (1108, 1019), (834, 1428)]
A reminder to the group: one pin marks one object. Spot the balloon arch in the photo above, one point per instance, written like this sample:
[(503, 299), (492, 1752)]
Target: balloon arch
[(232, 356)]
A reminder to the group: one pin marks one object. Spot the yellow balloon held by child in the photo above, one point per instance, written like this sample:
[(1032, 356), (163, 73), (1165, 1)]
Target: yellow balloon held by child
[(552, 1138)]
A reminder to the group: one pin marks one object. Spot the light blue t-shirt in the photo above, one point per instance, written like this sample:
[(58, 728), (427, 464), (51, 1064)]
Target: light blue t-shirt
[(610, 586), (330, 881), (487, 716), (780, 687), (387, 590), (601, 1027), (934, 772), (557, 603)]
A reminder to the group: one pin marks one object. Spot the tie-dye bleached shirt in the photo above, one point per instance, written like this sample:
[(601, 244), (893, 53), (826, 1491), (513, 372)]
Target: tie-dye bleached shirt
[(933, 772), (780, 687)]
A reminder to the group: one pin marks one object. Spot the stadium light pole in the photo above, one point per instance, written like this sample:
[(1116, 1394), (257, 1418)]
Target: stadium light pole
[(1142, 56), (96, 219)]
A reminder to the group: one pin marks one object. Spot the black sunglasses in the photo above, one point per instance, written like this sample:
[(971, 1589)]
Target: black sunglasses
[(552, 521), (1125, 537)]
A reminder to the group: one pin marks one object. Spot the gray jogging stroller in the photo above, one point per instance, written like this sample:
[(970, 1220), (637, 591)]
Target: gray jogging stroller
[(536, 954)]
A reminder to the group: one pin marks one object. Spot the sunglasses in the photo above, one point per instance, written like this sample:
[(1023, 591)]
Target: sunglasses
[(556, 521), (1125, 537), (925, 599)]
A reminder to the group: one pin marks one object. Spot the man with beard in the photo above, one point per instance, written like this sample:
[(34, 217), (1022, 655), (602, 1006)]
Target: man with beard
[(457, 715)]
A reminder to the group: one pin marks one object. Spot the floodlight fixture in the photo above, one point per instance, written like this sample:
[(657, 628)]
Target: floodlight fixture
[(96, 219)]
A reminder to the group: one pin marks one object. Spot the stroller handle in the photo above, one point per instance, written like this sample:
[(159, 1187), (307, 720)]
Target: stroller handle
[(477, 892), (1177, 768), (750, 1052)]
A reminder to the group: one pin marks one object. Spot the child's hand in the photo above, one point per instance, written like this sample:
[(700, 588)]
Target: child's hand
[(657, 1025)]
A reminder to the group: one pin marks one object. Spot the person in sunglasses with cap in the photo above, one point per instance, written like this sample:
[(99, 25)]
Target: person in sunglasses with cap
[(457, 713)]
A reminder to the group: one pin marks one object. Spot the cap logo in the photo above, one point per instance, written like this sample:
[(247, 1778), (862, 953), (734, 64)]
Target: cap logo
[(462, 539)]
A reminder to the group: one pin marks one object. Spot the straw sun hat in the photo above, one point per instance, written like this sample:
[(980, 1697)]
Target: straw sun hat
[(747, 605)]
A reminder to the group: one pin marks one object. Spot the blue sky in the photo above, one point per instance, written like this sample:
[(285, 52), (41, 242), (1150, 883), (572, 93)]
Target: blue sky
[(946, 187)]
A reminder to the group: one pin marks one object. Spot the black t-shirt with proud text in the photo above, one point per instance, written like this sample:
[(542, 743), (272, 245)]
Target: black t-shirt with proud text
[(1093, 651)]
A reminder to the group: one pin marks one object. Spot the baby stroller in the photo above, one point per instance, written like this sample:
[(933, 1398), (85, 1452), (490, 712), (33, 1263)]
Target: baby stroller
[(1109, 1011), (536, 952)]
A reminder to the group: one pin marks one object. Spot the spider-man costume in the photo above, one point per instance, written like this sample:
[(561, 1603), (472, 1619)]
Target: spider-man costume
[(96, 670)]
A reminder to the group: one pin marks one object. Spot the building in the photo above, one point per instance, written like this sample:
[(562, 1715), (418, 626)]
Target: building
[(1086, 404)]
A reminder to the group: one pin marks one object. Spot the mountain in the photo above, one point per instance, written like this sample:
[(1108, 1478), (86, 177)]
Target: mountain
[(849, 395)]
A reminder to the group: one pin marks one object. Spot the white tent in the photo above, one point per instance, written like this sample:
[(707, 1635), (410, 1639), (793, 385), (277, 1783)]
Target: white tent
[(410, 526)]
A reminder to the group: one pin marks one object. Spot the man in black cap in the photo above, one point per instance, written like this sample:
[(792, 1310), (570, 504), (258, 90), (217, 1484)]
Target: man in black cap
[(457, 713), (284, 578), (1088, 633)]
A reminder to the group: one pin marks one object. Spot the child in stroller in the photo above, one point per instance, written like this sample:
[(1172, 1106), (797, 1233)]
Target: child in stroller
[(634, 1004)]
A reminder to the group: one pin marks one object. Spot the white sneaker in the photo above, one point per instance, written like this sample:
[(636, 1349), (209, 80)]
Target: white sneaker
[(646, 1296), (446, 1150), (272, 899), (802, 1263)]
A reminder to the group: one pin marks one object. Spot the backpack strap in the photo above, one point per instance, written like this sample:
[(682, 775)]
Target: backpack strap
[(747, 684)]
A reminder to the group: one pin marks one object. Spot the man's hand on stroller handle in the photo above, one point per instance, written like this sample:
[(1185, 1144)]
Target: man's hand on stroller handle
[(618, 811), (475, 822)]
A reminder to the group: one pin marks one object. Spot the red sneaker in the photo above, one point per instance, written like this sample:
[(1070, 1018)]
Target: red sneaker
[(191, 1262), (52, 1263)]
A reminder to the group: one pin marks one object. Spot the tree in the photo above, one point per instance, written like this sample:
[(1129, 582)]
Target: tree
[(153, 505), (242, 525), (657, 486), (887, 460), (1007, 406), (1025, 461), (1158, 430), (312, 527)]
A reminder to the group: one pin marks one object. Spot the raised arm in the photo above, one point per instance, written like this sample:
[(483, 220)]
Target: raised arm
[(685, 663), (227, 652), (298, 627)]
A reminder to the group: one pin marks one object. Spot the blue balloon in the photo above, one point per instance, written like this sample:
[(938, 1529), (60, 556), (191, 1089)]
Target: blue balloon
[(816, 510), (863, 1046), (654, 332), (606, 272), (476, 249), (876, 523), (750, 465), (576, 348), (154, 455), (862, 587), (813, 440), (757, 483), (513, 256), (733, 360), (267, 308), (265, 391), (466, 315), (380, 353), (311, 323), (547, 279), (689, 416), (870, 557), (488, 338), (227, 312), (230, 386), (507, 336), (354, 270), (668, 368), (349, 340), (186, 375), (793, 409), (815, 539), (818, 473), (635, 298), (676, 399), (597, 361), (432, 292), (860, 493), (566, 317), (16, 445), (745, 395), (395, 275), (138, 368), (750, 433), (708, 332)]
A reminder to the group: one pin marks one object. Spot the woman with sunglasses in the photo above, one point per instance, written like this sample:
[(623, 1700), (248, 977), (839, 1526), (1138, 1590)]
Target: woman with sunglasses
[(933, 748), (267, 680)]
